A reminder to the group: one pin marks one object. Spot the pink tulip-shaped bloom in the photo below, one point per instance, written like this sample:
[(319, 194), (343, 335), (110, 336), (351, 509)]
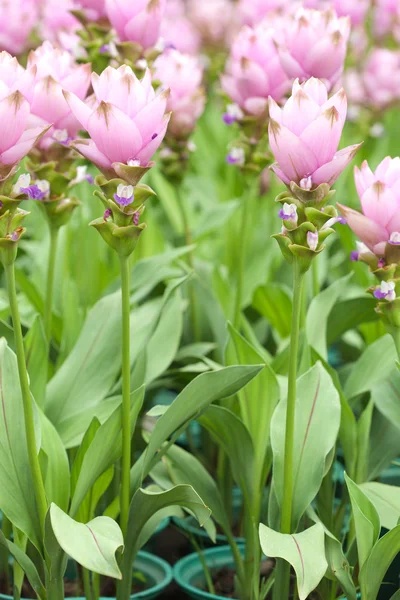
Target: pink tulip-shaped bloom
[(57, 71), (379, 192), (17, 20), (313, 43), (355, 9), (16, 88), (137, 21), (181, 34), (182, 74), (215, 19), (254, 71), (304, 135), (126, 120), (386, 18), (251, 12), (382, 77), (95, 8)]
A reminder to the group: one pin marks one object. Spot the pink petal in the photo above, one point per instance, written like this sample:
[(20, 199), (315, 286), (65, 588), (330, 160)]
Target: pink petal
[(114, 133), (295, 159), (255, 106), (23, 146), (89, 150), (366, 229), (147, 152), (322, 136), (339, 101), (49, 102), (25, 83), (279, 173), (14, 113), (78, 81), (228, 84), (275, 111), (317, 90), (150, 117), (290, 65), (330, 172), (299, 111), (379, 203), (363, 177), (81, 110)]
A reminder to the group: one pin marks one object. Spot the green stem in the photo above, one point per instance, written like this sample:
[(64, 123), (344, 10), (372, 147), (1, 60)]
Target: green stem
[(315, 277), (55, 588), (241, 263), (126, 393), (38, 484), (96, 586), (87, 584), (282, 583), (48, 313)]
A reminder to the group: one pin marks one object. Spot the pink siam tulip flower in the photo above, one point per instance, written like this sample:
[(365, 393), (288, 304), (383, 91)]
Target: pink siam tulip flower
[(313, 43), (17, 20), (386, 18), (57, 71), (17, 138), (355, 9), (304, 136), (126, 121), (382, 77), (182, 74), (254, 71), (181, 34), (215, 19), (56, 18), (137, 21), (379, 192), (251, 12), (95, 8)]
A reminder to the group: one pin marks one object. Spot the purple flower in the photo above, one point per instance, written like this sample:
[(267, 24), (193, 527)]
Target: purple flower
[(288, 213), (37, 191), (394, 238), (354, 256), (124, 195), (107, 214), (386, 291), (312, 240), (236, 157)]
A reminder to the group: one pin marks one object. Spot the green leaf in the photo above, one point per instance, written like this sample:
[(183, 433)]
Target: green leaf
[(318, 314), (378, 562), (349, 314), (16, 498), (396, 596), (385, 394), (168, 198), (57, 479), (145, 504), (305, 551), (26, 565), (386, 500), (384, 445), (202, 391), (88, 373), (104, 450), (214, 218), (274, 302), (93, 545), (232, 436), (366, 521), (36, 359), (316, 429), (363, 442), (258, 400), (375, 364)]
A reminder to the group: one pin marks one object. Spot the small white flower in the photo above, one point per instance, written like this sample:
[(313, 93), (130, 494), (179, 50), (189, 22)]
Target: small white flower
[(234, 111), (362, 248), (306, 183), (236, 156), (44, 186), (394, 237), (61, 135), (134, 163), (160, 45), (377, 130), (312, 240), (125, 191), (81, 175), (23, 181), (141, 64), (191, 146)]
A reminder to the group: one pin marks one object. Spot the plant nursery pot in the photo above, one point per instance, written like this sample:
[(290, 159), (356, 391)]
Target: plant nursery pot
[(157, 572), (189, 574), (190, 525)]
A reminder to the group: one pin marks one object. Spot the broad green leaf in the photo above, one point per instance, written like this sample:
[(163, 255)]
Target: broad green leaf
[(386, 500), (375, 364), (258, 400), (385, 394), (378, 562), (89, 372), (145, 504), (213, 219), (316, 429), (305, 551), (26, 565), (72, 315), (57, 479), (349, 314), (366, 521), (93, 545), (338, 564), (36, 360), (363, 442), (229, 432), (104, 451), (384, 445), (168, 198), (396, 596), (274, 302), (318, 314), (16, 498), (202, 391)]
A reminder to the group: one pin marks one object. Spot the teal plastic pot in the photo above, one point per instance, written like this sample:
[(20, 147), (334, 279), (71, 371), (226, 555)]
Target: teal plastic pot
[(157, 572), (189, 574)]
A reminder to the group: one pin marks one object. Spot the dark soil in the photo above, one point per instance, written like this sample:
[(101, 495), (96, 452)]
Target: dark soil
[(71, 588)]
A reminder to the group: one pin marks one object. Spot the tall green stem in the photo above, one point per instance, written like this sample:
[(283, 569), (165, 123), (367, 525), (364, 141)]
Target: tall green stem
[(48, 313), (38, 484), (126, 393), (282, 582), (241, 262)]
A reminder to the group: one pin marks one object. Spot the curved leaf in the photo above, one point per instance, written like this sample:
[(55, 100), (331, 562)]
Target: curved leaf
[(378, 562), (386, 500), (26, 565)]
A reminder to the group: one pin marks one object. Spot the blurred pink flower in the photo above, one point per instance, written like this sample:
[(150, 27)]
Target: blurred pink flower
[(96, 8), (253, 71), (381, 77), (313, 43), (56, 17), (137, 21), (355, 9), (379, 192), (251, 12), (386, 18), (181, 34), (17, 20), (16, 86), (57, 71), (182, 74), (214, 19), (304, 135), (126, 120)]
